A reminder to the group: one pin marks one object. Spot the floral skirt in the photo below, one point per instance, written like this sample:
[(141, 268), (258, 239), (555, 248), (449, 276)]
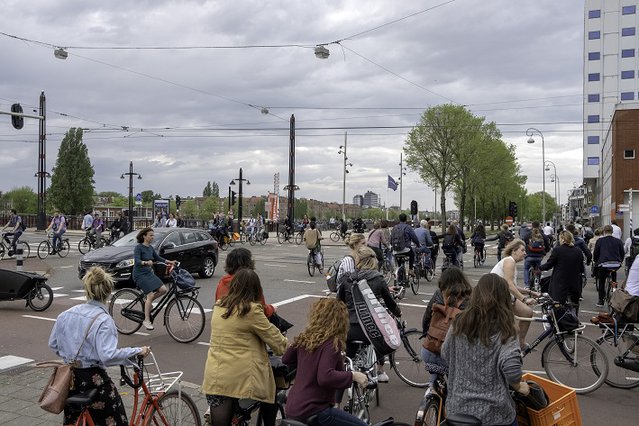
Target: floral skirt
[(107, 409)]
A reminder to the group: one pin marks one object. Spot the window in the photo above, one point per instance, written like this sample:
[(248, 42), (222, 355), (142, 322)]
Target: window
[(593, 140), (593, 14), (593, 161), (593, 119), (627, 74), (593, 97), (629, 10), (172, 240), (594, 35), (628, 154), (594, 56), (627, 96), (630, 31), (593, 76), (628, 53)]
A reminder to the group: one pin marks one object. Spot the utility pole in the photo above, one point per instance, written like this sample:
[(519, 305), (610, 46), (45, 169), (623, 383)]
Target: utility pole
[(42, 165), (130, 174), (402, 173), (291, 187)]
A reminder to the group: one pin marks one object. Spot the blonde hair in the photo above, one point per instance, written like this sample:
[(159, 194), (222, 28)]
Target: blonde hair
[(567, 238), (366, 258), (327, 319), (98, 284), (512, 246), (354, 240)]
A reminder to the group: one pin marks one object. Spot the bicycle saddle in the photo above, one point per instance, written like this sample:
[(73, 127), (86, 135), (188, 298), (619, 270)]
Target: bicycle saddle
[(462, 419), (84, 398)]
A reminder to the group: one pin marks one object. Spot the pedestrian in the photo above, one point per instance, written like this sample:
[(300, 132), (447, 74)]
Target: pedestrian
[(158, 221), (567, 264), (59, 226), (483, 356), (237, 364), (616, 230), (172, 221), (316, 353), (98, 227), (86, 334), (15, 222), (144, 255)]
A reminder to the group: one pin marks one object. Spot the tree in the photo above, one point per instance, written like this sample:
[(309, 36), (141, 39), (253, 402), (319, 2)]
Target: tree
[(109, 194), (208, 190), (148, 196), (23, 199), (533, 207), (72, 181), (215, 190)]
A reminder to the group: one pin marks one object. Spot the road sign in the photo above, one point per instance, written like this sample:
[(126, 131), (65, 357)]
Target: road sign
[(623, 208), (594, 210), (509, 219), (138, 197)]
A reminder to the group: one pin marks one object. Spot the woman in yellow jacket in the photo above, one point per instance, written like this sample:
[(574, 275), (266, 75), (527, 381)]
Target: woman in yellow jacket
[(237, 365)]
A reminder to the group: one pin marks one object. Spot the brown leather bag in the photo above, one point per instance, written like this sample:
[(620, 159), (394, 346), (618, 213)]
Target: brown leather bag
[(443, 316)]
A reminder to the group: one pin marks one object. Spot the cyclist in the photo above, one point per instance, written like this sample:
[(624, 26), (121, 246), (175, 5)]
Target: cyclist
[(116, 227), (425, 241), (478, 239), (86, 334), (59, 226), (566, 262), (250, 229), (317, 354), (313, 236), (537, 245), (377, 241), (143, 274), (580, 243), (305, 222), (607, 249), (354, 241), (452, 244), (433, 235), (15, 221), (171, 222), (87, 222), (288, 227), (460, 249), (632, 282), (504, 236), (98, 227), (401, 237), (483, 356)]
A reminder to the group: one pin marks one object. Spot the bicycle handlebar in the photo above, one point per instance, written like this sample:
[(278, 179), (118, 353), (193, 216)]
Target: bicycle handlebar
[(124, 376)]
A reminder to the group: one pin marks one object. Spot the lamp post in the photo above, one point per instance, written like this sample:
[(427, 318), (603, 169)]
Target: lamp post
[(553, 178), (402, 173), (130, 174), (530, 132), (342, 150), (239, 195)]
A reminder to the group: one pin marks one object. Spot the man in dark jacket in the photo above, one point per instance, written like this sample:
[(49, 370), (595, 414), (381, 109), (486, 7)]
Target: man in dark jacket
[(608, 250), (409, 236), (580, 243), (534, 258)]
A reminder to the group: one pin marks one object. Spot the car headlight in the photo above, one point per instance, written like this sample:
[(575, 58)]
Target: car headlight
[(125, 263)]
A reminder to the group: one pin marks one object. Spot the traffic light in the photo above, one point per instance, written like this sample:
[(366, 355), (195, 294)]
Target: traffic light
[(178, 201), (18, 122), (233, 198), (514, 209), (413, 208)]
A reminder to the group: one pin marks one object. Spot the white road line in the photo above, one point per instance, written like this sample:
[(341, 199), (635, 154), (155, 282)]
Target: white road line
[(141, 333), (82, 291), (412, 305), (204, 343), (293, 299), (60, 295), (67, 266), (57, 288), (40, 318), (10, 361), (81, 298), (277, 266), (299, 281)]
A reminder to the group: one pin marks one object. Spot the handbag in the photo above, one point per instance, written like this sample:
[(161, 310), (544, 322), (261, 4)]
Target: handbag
[(55, 392), (628, 306)]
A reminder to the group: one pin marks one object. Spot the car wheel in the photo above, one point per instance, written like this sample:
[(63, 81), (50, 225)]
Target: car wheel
[(208, 268)]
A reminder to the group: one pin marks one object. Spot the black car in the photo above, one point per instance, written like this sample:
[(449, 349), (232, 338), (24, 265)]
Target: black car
[(195, 249)]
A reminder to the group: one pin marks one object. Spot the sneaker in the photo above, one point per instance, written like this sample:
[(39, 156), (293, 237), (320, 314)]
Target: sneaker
[(599, 304), (207, 416), (382, 377), (148, 325)]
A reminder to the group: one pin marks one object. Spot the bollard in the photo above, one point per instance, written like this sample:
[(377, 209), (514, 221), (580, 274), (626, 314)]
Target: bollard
[(19, 262)]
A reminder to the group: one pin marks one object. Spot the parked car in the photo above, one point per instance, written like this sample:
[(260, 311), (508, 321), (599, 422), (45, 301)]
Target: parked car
[(195, 249)]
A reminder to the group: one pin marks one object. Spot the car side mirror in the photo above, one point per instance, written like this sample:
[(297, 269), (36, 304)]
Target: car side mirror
[(167, 246)]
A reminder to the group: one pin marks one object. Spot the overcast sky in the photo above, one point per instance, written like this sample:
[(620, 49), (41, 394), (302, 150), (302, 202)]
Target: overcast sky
[(194, 115)]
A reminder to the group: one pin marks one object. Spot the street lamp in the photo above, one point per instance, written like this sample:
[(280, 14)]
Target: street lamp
[(554, 178), (342, 150), (130, 174), (402, 173), (530, 132), (241, 180)]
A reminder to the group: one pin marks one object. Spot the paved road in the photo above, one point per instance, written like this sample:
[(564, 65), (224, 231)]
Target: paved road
[(287, 284)]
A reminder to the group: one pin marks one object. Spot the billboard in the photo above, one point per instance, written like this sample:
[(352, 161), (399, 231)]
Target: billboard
[(161, 207)]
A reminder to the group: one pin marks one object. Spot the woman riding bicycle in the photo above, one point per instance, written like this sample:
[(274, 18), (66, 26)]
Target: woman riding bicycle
[(567, 264), (478, 240), (451, 244), (86, 333), (483, 356), (143, 273), (317, 354), (377, 241), (354, 241)]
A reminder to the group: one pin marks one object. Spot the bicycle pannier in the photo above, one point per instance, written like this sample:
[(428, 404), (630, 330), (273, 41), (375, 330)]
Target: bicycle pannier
[(625, 304), (378, 325), (443, 316), (536, 246)]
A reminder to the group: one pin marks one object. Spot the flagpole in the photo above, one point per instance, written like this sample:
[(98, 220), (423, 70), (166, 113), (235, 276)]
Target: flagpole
[(386, 207)]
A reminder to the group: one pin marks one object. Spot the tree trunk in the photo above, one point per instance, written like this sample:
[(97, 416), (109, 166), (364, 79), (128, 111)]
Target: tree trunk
[(442, 205)]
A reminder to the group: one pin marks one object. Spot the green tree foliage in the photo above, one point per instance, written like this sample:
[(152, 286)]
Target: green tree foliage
[(72, 178), (148, 196), (23, 199), (208, 190), (215, 190), (301, 208), (532, 208), (111, 194)]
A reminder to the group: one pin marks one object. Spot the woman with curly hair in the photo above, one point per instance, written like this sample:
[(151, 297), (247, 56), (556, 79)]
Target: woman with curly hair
[(316, 352)]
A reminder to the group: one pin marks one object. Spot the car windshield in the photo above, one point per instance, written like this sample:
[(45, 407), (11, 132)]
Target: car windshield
[(129, 240)]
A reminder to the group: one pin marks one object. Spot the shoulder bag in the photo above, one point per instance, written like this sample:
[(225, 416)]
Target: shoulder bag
[(55, 392), (625, 304)]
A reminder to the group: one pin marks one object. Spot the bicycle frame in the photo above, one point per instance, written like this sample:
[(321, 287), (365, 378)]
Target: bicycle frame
[(438, 394)]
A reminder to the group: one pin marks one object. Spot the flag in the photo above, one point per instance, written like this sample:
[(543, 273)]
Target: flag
[(391, 183)]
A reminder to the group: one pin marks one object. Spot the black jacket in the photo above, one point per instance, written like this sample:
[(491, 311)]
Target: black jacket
[(567, 264), (608, 249), (378, 285)]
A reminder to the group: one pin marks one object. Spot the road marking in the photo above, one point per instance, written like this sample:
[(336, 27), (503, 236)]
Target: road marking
[(141, 333), (299, 281), (10, 361), (82, 291), (81, 298), (411, 305), (277, 266), (67, 266), (293, 299), (40, 318), (204, 343), (60, 295), (57, 288)]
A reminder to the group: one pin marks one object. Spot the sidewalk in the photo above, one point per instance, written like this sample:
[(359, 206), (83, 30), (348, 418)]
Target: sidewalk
[(32, 264), (20, 388)]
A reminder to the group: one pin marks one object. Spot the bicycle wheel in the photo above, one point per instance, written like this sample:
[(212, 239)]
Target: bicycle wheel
[(298, 238), (357, 406), (26, 250), (407, 362), (618, 377), (476, 260), (63, 250), (571, 362), (414, 281), (334, 236), (84, 245), (428, 413), (40, 297), (44, 249), (429, 273), (252, 239), (310, 264), (263, 239), (387, 272), (184, 318), (175, 409), (128, 299)]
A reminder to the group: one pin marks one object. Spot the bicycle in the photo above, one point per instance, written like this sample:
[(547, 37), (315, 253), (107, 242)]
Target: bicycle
[(299, 235), (7, 248), (448, 261), (158, 406), (534, 278), (569, 358), (386, 267), (45, 248), (339, 235), (418, 272), (406, 360), (427, 268), (620, 342), (479, 256), (611, 285), (89, 242), (311, 265), (284, 235), (359, 399), (400, 277), (183, 317), (431, 410)]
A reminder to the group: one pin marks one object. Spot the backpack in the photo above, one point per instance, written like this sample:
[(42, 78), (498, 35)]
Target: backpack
[(505, 237), (536, 246), (331, 274), (23, 225), (398, 243), (449, 242), (443, 316)]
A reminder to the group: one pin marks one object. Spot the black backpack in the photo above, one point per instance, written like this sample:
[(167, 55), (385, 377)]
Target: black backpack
[(398, 243)]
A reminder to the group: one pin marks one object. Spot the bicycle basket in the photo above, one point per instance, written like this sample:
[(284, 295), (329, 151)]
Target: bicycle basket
[(183, 279), (566, 317)]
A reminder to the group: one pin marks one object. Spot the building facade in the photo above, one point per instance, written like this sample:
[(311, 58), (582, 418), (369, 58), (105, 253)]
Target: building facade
[(371, 200), (358, 200)]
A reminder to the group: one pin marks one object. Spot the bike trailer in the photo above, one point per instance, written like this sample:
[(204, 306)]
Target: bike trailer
[(17, 284)]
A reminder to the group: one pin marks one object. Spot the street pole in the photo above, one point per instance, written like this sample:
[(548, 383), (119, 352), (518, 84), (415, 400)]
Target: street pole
[(130, 174), (401, 179), (344, 180), (240, 181), (291, 187), (42, 165), (529, 132)]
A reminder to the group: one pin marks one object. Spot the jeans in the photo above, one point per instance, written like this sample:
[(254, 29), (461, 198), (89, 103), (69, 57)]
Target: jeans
[(332, 416), (57, 238), (16, 236), (528, 263), (432, 358), (317, 255)]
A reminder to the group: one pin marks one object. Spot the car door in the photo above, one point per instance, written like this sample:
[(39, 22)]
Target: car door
[(192, 256), (172, 247)]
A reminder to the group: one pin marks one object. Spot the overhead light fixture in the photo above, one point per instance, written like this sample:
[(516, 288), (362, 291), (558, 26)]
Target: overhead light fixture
[(264, 110), (60, 53), (321, 52)]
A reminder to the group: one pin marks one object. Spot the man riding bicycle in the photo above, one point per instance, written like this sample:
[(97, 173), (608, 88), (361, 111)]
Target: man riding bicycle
[(401, 237), (15, 221), (313, 236), (59, 226), (608, 250), (426, 242)]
